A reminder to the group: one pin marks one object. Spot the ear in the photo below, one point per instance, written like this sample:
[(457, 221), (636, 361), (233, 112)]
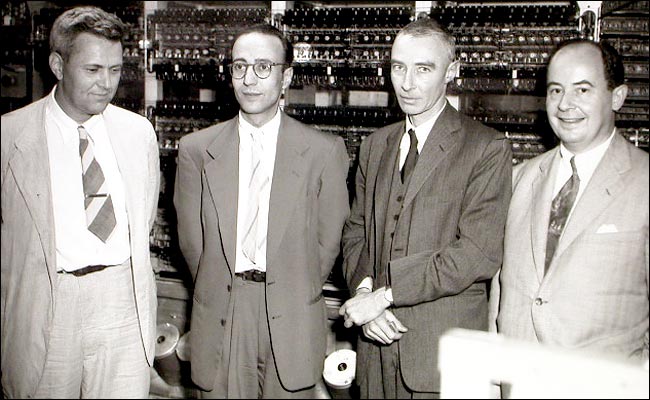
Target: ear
[(618, 97), (56, 64), (452, 71), (287, 75)]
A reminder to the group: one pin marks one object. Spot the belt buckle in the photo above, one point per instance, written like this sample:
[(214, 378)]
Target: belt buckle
[(258, 276)]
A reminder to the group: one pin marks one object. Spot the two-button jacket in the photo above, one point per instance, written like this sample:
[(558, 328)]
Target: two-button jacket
[(308, 207), (595, 293)]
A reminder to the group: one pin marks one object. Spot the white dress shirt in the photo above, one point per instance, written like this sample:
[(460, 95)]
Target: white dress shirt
[(586, 164), (76, 246), (421, 132), (269, 134)]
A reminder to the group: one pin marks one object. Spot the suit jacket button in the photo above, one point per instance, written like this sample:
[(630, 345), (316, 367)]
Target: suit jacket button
[(223, 322), (396, 217), (538, 301), (228, 288)]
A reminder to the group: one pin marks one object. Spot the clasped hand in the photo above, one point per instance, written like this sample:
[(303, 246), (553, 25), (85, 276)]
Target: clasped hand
[(364, 307), (384, 329), (369, 310)]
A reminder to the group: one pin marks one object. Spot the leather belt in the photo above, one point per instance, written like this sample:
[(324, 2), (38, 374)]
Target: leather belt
[(254, 275), (85, 270)]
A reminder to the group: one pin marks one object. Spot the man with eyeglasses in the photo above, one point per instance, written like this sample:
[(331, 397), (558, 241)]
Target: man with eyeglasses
[(261, 202)]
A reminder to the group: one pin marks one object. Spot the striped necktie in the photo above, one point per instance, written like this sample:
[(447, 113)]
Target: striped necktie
[(252, 239), (100, 216), (560, 209)]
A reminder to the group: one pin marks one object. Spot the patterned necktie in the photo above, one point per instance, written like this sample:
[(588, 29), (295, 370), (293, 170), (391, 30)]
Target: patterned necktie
[(411, 157), (252, 239), (560, 209), (100, 216)]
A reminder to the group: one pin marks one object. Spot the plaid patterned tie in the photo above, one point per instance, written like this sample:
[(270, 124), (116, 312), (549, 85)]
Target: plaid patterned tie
[(411, 157), (560, 209), (100, 216), (252, 239)]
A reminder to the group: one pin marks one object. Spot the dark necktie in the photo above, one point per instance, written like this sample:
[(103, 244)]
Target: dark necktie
[(411, 157), (560, 209), (100, 216)]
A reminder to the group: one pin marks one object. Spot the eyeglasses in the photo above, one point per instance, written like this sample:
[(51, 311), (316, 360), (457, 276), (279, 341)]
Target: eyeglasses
[(262, 69)]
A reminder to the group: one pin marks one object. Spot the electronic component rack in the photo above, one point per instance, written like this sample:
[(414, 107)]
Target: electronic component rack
[(503, 49), (624, 24)]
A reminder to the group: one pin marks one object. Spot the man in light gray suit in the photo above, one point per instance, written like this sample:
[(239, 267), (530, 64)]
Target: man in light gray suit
[(425, 233), (587, 288), (79, 195), (258, 315)]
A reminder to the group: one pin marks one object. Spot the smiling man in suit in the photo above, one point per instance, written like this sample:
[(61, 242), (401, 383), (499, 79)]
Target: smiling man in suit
[(261, 202), (425, 233), (575, 270), (79, 196)]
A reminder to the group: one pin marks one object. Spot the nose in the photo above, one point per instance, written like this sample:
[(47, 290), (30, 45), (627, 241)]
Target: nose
[(566, 101), (249, 76), (106, 79), (407, 81)]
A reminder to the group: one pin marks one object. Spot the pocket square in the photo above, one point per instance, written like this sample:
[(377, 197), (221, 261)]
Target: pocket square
[(607, 228)]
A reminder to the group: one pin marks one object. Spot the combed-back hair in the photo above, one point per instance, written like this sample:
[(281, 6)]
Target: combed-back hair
[(78, 20), (429, 27), (267, 29)]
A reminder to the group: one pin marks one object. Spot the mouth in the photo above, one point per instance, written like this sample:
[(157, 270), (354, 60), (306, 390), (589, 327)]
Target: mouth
[(567, 120), (408, 100)]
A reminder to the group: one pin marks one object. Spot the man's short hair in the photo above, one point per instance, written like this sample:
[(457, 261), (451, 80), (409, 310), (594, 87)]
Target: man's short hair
[(429, 27), (79, 20), (267, 29), (612, 62)]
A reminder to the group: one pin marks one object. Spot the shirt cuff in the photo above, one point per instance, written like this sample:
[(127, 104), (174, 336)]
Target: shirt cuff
[(388, 295), (365, 285)]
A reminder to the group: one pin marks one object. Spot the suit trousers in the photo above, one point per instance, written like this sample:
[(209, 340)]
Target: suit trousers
[(248, 369), (95, 348), (385, 377)]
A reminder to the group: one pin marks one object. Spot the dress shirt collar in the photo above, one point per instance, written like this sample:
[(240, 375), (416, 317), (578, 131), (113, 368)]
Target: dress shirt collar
[(586, 162), (68, 126), (422, 131), (268, 129)]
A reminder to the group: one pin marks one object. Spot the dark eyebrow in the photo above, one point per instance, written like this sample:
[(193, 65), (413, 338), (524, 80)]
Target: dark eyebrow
[(426, 64), (99, 66), (583, 82)]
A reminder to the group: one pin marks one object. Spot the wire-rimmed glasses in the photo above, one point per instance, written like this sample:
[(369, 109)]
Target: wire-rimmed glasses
[(262, 69)]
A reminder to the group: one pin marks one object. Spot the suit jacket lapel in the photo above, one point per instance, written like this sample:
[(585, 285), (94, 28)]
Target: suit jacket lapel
[(541, 193), (223, 184), (604, 185), (31, 169), (384, 163), (435, 149), (291, 164), (118, 135)]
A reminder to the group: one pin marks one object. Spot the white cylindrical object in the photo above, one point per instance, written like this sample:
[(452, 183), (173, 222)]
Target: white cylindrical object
[(340, 368)]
